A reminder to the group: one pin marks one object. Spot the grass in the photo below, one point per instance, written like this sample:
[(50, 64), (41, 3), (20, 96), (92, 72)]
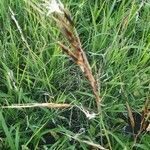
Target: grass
[(116, 38)]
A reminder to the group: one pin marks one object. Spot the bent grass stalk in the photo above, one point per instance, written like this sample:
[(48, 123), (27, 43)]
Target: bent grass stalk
[(74, 49)]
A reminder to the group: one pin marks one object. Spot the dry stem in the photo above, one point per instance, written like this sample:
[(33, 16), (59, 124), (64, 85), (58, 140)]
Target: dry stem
[(74, 49)]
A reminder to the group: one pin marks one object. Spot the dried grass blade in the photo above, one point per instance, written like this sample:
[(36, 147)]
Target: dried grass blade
[(94, 145), (148, 128), (145, 115), (34, 105), (130, 115), (90, 143)]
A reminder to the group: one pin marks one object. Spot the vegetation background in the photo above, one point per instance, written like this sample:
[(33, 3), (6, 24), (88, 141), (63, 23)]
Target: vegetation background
[(115, 35)]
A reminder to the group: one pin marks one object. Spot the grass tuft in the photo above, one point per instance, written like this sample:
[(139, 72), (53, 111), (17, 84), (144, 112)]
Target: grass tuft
[(115, 36)]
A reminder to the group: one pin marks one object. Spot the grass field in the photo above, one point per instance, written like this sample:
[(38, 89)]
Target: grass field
[(115, 35)]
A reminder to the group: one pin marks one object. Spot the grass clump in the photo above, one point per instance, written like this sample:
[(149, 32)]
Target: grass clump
[(115, 36)]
